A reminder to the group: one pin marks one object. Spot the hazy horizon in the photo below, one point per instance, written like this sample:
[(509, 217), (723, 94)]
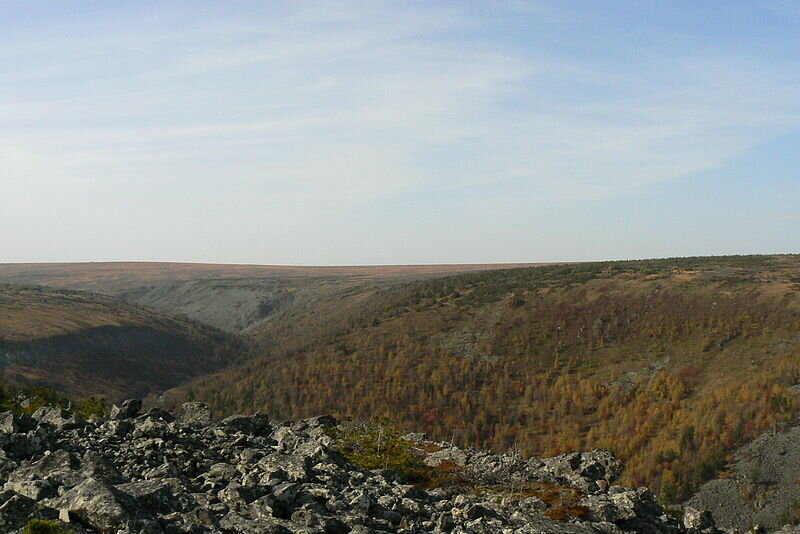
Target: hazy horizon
[(357, 265), (398, 133)]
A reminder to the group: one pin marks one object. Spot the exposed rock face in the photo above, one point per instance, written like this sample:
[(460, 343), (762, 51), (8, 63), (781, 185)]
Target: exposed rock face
[(232, 305), (153, 474)]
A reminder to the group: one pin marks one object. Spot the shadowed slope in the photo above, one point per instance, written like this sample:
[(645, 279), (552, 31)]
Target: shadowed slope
[(86, 344)]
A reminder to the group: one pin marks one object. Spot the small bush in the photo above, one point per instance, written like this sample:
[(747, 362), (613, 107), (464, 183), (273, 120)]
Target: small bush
[(376, 445), (791, 516), (28, 400), (40, 526), (91, 407)]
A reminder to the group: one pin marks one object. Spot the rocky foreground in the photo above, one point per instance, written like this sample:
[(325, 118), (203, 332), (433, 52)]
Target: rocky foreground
[(158, 473)]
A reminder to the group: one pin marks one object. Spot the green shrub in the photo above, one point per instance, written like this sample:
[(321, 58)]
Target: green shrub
[(376, 445), (28, 400), (40, 526), (791, 516), (91, 407)]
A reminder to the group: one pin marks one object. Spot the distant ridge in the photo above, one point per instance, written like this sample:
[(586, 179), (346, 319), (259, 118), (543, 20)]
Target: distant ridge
[(114, 277)]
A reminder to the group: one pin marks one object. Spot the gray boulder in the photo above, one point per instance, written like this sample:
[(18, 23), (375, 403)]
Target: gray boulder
[(96, 505), (15, 510), (58, 417), (127, 410)]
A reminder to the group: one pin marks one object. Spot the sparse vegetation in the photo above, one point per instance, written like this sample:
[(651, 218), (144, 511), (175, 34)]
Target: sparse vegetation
[(28, 400), (377, 444), (91, 408), (41, 526), (791, 516)]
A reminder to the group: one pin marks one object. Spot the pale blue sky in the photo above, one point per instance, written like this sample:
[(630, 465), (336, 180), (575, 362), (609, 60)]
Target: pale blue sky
[(398, 132)]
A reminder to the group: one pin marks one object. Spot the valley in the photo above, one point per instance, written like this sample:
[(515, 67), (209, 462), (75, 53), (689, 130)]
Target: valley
[(671, 364)]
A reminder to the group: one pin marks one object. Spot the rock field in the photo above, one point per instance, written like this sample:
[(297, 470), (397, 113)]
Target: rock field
[(155, 472)]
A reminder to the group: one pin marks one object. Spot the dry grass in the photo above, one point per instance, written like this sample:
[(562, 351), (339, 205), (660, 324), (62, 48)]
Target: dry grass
[(28, 313), (428, 447)]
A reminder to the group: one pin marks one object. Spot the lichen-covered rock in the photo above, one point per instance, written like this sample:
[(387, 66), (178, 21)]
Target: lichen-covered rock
[(451, 454), (15, 510), (96, 505), (699, 520), (153, 496), (195, 413), (583, 469), (59, 418)]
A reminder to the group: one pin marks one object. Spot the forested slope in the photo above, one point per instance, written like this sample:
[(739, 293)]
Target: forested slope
[(669, 363)]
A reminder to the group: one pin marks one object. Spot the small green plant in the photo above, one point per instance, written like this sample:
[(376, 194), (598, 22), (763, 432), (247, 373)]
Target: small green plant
[(28, 400), (376, 445), (91, 407), (41, 526)]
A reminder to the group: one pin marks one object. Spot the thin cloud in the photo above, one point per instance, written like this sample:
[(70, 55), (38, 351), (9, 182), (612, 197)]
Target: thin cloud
[(326, 108)]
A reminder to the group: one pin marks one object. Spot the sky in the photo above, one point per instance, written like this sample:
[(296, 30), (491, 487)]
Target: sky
[(381, 132)]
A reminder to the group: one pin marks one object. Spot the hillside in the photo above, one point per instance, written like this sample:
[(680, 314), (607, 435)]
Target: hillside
[(86, 344), (671, 364), (232, 305), (242, 305), (233, 298)]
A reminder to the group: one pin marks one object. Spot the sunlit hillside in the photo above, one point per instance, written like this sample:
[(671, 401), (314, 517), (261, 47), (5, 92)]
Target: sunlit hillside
[(669, 363)]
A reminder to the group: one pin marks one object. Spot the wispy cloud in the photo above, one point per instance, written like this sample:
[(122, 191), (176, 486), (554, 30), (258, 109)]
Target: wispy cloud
[(326, 107)]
